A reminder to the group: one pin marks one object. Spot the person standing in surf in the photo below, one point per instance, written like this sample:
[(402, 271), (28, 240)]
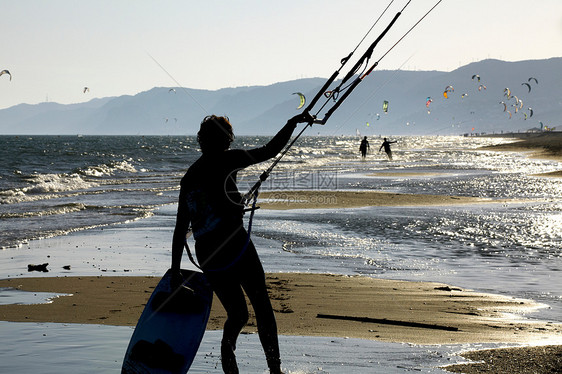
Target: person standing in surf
[(364, 147), (386, 145), (209, 202)]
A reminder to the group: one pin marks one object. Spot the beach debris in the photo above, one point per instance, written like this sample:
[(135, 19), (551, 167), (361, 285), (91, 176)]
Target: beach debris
[(302, 99), (38, 267), (66, 267), (86, 89), (447, 288), (384, 321), (6, 72)]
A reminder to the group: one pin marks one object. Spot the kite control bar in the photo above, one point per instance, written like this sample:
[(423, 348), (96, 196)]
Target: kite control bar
[(366, 56)]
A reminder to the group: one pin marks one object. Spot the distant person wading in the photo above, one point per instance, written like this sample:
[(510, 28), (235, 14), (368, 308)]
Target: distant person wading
[(386, 145), (210, 202), (364, 147)]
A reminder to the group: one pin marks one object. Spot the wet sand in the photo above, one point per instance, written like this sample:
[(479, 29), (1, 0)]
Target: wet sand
[(309, 305), (522, 360), (326, 199)]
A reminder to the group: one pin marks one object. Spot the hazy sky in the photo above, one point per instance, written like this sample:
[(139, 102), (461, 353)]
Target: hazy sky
[(55, 48)]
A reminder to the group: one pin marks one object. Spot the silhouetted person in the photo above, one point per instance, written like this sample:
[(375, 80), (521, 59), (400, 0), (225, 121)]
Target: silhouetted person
[(210, 202), (364, 147), (386, 145)]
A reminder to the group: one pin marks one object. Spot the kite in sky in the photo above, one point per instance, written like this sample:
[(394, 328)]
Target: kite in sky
[(303, 99), (6, 72), (385, 106), (447, 90)]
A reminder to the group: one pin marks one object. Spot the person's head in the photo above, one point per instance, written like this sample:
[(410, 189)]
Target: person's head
[(365, 138), (385, 139), (215, 134)]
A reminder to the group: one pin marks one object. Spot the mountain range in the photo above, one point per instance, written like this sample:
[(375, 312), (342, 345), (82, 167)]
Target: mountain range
[(471, 106)]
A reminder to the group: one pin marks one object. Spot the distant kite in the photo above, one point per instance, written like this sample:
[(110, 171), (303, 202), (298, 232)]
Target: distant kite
[(535, 79), (447, 90), (507, 92), (476, 76), (6, 72), (171, 90), (385, 106), (428, 101), (86, 89), (481, 87), (528, 86), (302, 98)]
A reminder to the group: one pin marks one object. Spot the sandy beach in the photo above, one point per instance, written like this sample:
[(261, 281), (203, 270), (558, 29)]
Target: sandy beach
[(331, 305), (309, 304)]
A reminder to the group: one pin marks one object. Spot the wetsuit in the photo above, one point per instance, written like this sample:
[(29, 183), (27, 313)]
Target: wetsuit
[(209, 200)]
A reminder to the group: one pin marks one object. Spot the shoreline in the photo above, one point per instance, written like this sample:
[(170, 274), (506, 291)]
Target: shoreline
[(545, 145)]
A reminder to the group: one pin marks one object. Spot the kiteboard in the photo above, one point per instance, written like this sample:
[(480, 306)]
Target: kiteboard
[(171, 327)]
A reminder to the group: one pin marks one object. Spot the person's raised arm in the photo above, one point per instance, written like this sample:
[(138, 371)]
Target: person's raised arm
[(276, 144)]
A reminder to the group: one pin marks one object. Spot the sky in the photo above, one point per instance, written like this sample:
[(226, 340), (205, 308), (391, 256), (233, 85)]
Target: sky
[(53, 49)]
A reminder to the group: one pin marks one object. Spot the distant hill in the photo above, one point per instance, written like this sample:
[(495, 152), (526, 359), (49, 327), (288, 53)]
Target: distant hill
[(261, 110)]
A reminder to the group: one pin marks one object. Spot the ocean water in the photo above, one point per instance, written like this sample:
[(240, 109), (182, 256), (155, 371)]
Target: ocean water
[(107, 205), (66, 348)]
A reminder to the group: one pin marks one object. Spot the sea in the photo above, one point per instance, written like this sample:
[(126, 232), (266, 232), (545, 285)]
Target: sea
[(95, 205)]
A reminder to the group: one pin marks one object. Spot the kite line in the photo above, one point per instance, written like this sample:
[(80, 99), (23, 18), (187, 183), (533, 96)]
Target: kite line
[(333, 95)]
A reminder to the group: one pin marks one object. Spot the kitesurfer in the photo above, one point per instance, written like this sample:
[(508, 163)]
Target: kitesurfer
[(386, 145), (210, 202), (364, 147)]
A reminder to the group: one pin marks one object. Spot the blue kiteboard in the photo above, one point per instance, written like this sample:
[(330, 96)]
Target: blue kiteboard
[(171, 327)]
